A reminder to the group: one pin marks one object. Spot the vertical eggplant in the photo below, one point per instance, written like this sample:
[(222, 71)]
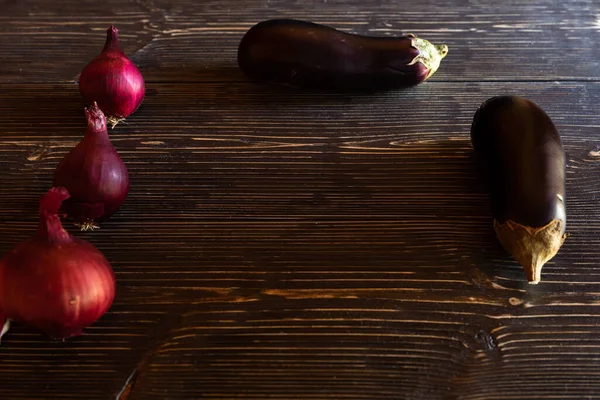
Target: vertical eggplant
[(526, 167), (309, 55)]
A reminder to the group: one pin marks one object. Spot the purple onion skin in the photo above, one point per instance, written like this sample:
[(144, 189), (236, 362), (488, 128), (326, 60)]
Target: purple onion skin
[(113, 81), (308, 55), (33, 304), (52, 281), (94, 174)]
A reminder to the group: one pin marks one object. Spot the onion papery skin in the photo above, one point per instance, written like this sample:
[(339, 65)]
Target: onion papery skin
[(113, 81), (54, 282), (94, 174)]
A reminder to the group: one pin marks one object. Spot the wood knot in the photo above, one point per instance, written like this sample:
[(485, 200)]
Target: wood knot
[(513, 301), (486, 340)]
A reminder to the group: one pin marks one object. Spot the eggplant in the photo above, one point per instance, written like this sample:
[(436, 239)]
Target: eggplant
[(308, 55), (526, 166)]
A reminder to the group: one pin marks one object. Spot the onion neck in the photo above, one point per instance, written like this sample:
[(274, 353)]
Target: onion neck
[(50, 228), (112, 40), (96, 123)]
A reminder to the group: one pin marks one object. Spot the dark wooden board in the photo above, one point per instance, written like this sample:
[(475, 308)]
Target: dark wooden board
[(304, 245), (291, 245), (196, 41)]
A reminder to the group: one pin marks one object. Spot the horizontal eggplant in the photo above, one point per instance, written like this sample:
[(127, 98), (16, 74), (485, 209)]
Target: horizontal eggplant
[(526, 166), (308, 55)]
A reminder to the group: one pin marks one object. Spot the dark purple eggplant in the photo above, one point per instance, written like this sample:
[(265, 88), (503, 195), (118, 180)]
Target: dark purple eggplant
[(526, 166), (308, 55)]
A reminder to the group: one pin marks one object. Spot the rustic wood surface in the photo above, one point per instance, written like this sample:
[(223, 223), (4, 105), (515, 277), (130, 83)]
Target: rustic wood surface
[(292, 245)]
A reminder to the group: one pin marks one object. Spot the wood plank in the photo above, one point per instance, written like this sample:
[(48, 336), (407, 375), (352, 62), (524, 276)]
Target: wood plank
[(375, 348), (279, 244), (197, 41), (94, 365)]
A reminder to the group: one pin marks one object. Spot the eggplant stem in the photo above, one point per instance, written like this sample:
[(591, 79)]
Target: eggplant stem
[(429, 55), (531, 247)]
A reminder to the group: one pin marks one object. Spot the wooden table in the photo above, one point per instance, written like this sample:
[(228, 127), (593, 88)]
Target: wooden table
[(279, 244)]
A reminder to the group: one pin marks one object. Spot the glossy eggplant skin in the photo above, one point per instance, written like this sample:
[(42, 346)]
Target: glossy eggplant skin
[(309, 55), (526, 167)]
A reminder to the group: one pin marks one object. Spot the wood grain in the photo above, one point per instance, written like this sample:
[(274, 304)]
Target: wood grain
[(294, 245), (313, 236), (189, 41)]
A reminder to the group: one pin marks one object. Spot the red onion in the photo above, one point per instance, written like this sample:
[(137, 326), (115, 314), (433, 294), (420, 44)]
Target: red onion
[(94, 174), (112, 81), (53, 281)]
